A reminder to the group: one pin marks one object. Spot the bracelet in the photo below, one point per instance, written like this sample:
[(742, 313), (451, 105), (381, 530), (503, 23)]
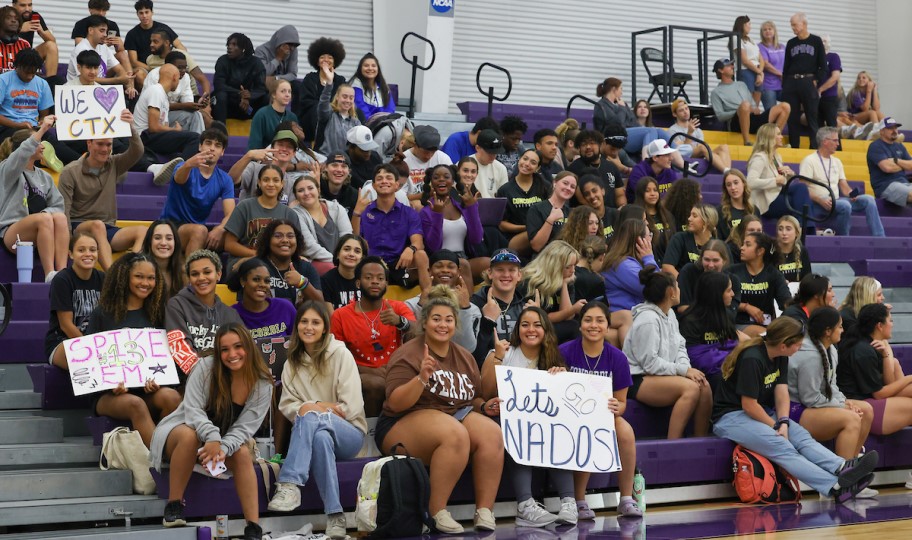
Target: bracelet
[(549, 222), (423, 383), (498, 359), (303, 283), (356, 214)]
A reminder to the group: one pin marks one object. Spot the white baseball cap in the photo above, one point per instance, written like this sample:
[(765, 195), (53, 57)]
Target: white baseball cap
[(362, 137)]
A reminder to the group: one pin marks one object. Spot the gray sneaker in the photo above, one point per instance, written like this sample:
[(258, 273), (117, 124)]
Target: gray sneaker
[(335, 526), (568, 513), (531, 513), (163, 177), (286, 499)]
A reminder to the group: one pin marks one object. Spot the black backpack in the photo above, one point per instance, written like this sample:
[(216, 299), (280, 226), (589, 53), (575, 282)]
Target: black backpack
[(402, 497)]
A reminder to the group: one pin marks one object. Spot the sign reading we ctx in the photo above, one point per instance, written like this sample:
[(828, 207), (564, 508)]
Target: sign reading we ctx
[(90, 112)]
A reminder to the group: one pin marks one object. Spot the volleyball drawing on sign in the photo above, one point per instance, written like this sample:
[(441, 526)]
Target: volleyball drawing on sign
[(557, 420), (129, 356), (90, 112)]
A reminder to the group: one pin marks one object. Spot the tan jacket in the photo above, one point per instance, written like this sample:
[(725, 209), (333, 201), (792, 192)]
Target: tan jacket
[(761, 178)]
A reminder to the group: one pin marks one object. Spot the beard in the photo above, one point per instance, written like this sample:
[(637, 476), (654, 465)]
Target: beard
[(366, 295)]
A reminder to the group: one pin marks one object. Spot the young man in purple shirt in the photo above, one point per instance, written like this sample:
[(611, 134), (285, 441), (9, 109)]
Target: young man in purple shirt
[(392, 230), (657, 165)]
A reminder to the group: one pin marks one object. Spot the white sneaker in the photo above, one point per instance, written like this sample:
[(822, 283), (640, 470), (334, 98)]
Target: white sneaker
[(568, 513), (286, 499), (335, 526), (163, 175), (867, 493), (531, 513), (909, 481), (445, 523)]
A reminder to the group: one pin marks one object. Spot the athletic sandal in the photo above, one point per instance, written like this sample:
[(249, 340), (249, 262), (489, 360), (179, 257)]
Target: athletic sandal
[(583, 510), (629, 508)]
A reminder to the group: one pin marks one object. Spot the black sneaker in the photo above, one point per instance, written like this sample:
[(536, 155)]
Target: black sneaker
[(843, 495), (174, 514), (855, 469), (253, 531)]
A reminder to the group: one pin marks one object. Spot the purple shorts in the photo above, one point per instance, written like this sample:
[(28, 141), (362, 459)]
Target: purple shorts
[(880, 407), (795, 411)]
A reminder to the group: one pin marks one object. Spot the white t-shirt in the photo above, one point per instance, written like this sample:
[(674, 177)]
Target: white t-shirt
[(182, 94), (417, 168), (752, 50), (108, 60), (490, 177), (153, 95), (368, 190), (829, 171)]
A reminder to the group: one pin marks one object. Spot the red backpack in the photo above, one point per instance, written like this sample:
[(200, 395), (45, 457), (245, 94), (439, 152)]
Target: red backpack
[(758, 480)]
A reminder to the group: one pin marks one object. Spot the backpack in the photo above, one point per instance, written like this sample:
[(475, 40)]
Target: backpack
[(758, 480), (393, 497)]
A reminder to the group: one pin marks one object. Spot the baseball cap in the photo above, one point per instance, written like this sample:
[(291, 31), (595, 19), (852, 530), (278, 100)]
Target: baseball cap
[(889, 122), (658, 147), (616, 135), (362, 137), (505, 256), (490, 141), (721, 63), (426, 137), (338, 158), (286, 135)]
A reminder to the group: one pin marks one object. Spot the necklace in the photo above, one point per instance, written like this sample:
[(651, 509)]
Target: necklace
[(592, 367), (372, 323)]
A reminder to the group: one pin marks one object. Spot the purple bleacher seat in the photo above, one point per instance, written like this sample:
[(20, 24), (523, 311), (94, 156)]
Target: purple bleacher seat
[(8, 272), (25, 342), (890, 272), (31, 302), (55, 388), (140, 183), (149, 207), (536, 117), (894, 226), (99, 425)]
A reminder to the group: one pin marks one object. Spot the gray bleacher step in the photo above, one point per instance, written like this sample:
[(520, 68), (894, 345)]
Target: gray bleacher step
[(74, 424), (40, 484), (19, 399), (81, 510), (143, 532), (71, 451), (15, 377), (31, 429)]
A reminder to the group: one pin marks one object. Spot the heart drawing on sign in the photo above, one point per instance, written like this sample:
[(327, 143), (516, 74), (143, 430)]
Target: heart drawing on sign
[(106, 97)]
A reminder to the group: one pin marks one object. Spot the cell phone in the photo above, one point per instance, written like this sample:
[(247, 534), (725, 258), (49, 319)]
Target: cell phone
[(853, 193), (216, 467), (36, 17), (462, 413), (112, 33)]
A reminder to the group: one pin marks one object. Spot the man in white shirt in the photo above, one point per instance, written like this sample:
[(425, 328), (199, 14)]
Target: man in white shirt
[(110, 71), (825, 167), (424, 155), (191, 114), (491, 173)]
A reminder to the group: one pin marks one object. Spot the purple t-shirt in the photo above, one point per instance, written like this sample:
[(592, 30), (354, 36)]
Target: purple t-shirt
[(643, 168), (276, 320), (833, 63), (611, 363), (776, 58)]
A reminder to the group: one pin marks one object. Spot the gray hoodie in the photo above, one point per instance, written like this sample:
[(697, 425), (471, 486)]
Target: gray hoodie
[(13, 186), (287, 69), (806, 378), (654, 345), (335, 126), (192, 325)]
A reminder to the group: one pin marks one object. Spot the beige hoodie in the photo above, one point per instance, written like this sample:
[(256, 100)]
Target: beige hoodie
[(339, 384)]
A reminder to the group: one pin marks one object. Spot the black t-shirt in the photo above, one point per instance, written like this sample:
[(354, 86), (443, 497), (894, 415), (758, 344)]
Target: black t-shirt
[(609, 222), (796, 312), (694, 332), (860, 371), (138, 39), (537, 216), (849, 321), (610, 175), (81, 28), (760, 291), (681, 250), (793, 270), (101, 321), (519, 201), (71, 293), (337, 290), (688, 276), (347, 196), (362, 171), (588, 285), (281, 289), (30, 36), (756, 376), (726, 226)]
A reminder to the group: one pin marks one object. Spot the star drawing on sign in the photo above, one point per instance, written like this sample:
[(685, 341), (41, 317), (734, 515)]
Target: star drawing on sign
[(157, 369)]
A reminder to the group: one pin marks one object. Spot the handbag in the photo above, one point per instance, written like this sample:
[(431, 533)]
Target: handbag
[(123, 449), (36, 202)]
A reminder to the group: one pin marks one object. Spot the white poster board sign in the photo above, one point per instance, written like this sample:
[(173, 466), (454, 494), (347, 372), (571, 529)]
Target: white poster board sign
[(559, 421), (129, 356), (90, 112)]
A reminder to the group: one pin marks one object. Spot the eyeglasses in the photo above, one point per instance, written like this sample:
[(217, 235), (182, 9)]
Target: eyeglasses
[(833, 139)]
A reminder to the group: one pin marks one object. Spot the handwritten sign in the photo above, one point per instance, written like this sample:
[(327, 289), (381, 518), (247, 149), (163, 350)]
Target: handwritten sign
[(557, 420), (90, 112), (130, 356)]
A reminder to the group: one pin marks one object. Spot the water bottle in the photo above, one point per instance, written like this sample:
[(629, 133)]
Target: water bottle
[(25, 260), (639, 489)]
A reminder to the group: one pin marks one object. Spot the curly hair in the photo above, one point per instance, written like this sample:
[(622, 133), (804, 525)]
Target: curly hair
[(510, 123), (439, 295), (680, 199), (243, 42), (116, 290), (576, 228), (263, 240), (426, 189), (325, 45)]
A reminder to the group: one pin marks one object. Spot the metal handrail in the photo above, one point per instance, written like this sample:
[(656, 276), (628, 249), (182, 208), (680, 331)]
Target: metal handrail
[(709, 153), (805, 211), (490, 93), (416, 66), (584, 98)]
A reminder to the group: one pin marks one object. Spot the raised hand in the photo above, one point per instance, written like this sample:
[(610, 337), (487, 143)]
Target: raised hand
[(388, 316), (491, 309)]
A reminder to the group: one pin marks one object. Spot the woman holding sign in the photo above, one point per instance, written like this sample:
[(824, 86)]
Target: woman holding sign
[(37, 216), (434, 408), (532, 345), (133, 297), (591, 354), (226, 401)]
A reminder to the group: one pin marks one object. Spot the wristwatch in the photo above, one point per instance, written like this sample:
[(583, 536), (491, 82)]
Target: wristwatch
[(784, 420), (413, 248), (403, 323)]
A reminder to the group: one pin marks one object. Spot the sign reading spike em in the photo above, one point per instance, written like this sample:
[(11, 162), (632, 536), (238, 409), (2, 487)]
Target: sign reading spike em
[(129, 356), (557, 420), (90, 112)]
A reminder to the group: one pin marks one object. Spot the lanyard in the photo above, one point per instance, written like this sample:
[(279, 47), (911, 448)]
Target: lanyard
[(829, 168)]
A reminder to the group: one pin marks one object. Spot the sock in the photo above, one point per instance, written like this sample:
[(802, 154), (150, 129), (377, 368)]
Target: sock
[(625, 499)]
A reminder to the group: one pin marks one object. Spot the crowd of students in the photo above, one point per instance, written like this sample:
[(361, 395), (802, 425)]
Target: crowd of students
[(600, 249)]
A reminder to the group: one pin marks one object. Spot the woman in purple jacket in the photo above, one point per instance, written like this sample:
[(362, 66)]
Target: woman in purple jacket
[(450, 218), (630, 251)]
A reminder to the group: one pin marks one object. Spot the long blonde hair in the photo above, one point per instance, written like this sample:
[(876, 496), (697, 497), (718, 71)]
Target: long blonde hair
[(862, 292), (858, 89), (766, 144), (783, 330), (545, 273), (727, 199), (709, 215), (772, 25), (796, 249)]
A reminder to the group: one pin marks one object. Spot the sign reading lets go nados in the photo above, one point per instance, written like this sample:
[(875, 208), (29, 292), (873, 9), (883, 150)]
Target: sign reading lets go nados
[(90, 112)]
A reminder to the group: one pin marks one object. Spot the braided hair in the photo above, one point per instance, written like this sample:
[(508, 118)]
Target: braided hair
[(822, 320)]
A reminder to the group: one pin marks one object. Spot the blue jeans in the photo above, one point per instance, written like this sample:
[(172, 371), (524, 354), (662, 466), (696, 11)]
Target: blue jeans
[(798, 197), (316, 441), (769, 98), (639, 137), (846, 207), (802, 456), (749, 78)]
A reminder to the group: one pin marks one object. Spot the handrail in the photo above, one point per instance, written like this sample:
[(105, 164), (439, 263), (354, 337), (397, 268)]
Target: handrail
[(584, 98), (805, 211), (709, 154), (416, 66), (490, 93)]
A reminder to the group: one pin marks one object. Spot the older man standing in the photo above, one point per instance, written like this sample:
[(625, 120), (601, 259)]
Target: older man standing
[(804, 71)]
